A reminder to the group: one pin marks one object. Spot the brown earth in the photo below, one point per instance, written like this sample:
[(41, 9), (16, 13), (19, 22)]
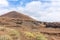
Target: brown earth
[(23, 22), (14, 14)]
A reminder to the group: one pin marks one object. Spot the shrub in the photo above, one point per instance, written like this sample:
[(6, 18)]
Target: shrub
[(13, 33), (40, 36), (5, 37), (2, 29), (35, 35), (29, 34)]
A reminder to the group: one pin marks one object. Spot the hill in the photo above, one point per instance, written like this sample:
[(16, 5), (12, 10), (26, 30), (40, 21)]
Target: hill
[(14, 14), (16, 19), (21, 22)]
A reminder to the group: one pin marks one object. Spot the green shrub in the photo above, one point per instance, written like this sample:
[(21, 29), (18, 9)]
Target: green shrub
[(14, 34), (29, 34), (40, 36), (2, 29), (35, 35), (5, 37)]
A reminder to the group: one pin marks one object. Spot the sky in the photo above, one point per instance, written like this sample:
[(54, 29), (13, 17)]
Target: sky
[(41, 10)]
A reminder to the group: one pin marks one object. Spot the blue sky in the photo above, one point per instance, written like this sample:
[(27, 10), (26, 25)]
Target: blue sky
[(42, 10)]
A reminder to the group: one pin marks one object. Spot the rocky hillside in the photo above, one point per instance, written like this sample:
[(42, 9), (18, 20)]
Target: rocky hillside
[(22, 23)]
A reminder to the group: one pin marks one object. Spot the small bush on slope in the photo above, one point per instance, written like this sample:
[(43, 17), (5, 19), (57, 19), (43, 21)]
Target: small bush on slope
[(5, 37), (2, 29), (40, 36), (13, 33), (29, 34), (36, 36)]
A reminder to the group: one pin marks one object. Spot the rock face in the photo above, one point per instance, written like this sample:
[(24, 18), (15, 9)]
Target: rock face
[(52, 24)]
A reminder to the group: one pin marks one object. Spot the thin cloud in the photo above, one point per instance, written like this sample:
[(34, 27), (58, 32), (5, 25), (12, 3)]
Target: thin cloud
[(4, 2), (43, 12)]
